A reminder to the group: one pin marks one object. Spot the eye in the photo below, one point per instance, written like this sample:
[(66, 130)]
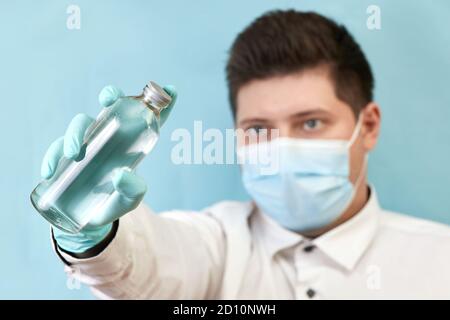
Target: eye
[(312, 124)]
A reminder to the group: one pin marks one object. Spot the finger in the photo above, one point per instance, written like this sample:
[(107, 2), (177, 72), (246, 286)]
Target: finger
[(109, 95), (129, 185), (171, 91), (130, 192), (74, 136), (51, 158)]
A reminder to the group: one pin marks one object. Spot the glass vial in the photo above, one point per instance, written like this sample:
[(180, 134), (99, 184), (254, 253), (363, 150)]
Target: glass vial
[(123, 134)]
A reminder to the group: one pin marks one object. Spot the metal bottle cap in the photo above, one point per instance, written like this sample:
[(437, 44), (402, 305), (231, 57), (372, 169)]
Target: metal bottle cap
[(156, 96)]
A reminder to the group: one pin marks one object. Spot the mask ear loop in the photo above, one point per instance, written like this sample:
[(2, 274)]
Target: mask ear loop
[(363, 168), (356, 131), (366, 156), (355, 134)]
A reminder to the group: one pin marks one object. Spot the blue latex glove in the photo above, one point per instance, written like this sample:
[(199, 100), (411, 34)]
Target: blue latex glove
[(130, 187)]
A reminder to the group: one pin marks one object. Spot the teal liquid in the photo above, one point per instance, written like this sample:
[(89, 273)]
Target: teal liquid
[(79, 190)]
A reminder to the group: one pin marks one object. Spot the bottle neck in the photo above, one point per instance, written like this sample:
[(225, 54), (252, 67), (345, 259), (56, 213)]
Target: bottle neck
[(148, 103), (155, 96)]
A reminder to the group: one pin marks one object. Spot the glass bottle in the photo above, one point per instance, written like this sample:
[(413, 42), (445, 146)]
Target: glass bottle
[(122, 135)]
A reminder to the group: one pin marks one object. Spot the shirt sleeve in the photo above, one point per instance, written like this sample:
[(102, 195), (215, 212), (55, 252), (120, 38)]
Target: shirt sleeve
[(173, 255)]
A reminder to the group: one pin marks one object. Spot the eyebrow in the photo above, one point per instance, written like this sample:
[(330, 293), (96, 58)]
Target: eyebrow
[(252, 120), (309, 112), (300, 114)]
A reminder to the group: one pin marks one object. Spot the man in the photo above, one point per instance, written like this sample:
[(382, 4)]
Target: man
[(315, 229)]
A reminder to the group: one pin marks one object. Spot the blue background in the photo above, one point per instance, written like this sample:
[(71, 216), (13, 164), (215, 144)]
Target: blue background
[(49, 73)]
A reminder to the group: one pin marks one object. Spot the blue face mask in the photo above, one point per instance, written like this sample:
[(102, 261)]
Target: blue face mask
[(302, 184)]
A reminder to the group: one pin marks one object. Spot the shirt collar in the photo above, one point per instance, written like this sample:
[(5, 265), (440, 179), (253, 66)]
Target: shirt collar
[(274, 236), (344, 244)]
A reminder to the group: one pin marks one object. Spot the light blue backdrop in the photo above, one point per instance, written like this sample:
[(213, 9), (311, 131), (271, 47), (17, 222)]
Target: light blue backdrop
[(49, 73)]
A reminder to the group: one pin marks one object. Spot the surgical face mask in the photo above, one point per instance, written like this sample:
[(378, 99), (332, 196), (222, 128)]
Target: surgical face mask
[(303, 184)]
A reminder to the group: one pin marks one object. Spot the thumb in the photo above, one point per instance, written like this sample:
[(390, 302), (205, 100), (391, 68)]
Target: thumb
[(130, 190), (171, 91)]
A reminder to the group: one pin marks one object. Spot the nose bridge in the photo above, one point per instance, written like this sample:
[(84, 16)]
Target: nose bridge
[(285, 130)]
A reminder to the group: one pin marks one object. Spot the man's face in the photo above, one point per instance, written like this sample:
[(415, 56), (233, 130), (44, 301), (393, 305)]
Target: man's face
[(304, 105)]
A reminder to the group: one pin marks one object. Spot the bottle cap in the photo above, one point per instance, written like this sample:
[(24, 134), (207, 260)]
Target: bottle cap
[(156, 96)]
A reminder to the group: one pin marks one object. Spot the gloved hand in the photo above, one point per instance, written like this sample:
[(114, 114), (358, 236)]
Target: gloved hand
[(130, 187)]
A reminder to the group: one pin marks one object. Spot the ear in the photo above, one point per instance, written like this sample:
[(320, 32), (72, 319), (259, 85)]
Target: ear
[(371, 125)]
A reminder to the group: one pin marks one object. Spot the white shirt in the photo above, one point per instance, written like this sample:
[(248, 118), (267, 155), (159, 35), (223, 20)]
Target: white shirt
[(233, 251)]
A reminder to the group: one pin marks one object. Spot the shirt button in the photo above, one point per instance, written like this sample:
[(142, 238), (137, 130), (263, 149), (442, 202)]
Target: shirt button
[(310, 293), (309, 248)]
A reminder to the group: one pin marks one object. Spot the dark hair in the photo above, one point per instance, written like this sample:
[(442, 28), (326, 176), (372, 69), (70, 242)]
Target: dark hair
[(285, 42)]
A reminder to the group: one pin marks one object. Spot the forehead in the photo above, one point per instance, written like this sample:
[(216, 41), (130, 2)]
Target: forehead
[(282, 96)]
